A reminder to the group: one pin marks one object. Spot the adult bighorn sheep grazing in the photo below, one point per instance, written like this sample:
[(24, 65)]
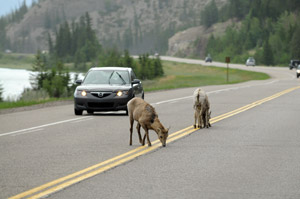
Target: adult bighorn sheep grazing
[(146, 117), (202, 109)]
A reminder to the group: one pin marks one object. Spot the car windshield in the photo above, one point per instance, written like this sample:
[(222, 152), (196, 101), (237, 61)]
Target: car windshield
[(107, 77)]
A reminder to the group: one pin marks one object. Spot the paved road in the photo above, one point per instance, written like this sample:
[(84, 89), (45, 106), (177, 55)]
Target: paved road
[(251, 151)]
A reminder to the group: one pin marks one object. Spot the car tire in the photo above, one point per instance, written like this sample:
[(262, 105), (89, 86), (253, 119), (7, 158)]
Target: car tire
[(90, 112), (77, 112)]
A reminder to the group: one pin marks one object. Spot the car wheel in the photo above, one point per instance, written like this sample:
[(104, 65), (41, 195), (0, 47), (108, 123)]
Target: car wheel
[(77, 112), (126, 112), (143, 96), (90, 112)]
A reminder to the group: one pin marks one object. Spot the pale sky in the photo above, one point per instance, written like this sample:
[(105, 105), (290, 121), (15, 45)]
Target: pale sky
[(6, 6)]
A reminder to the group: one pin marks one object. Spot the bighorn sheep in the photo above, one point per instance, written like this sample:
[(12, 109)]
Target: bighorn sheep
[(202, 109), (146, 117)]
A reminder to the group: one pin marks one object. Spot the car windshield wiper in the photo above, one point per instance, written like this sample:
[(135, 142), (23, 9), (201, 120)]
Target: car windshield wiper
[(110, 77), (121, 78)]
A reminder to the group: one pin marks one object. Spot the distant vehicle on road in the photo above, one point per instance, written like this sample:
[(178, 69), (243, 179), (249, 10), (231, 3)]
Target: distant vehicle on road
[(106, 89), (208, 58), (294, 64), (298, 71), (250, 61)]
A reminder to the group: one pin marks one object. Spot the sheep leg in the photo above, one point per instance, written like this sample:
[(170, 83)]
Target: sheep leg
[(206, 119), (131, 124), (138, 128), (195, 116), (144, 138), (146, 135), (200, 121)]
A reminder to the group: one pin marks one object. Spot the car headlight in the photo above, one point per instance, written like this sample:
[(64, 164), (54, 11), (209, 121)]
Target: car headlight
[(83, 93), (121, 93)]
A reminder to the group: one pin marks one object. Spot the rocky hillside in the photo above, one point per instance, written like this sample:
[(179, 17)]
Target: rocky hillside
[(193, 41), (138, 25)]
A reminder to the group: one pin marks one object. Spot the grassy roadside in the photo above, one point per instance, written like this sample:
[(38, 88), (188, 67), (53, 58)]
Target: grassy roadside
[(181, 75), (16, 61), (177, 75), (7, 105)]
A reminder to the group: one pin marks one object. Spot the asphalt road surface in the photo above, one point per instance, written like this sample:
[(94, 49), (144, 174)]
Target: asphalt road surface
[(252, 149)]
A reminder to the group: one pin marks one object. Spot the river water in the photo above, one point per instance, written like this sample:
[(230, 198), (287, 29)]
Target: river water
[(14, 81)]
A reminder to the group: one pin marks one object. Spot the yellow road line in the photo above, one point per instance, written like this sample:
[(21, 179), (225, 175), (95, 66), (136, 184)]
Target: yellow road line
[(125, 157), (60, 180)]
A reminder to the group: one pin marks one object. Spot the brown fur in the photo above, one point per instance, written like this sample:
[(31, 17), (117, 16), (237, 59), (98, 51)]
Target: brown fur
[(146, 117)]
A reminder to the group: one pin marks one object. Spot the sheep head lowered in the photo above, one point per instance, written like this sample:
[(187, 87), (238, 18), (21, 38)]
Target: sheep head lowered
[(146, 117)]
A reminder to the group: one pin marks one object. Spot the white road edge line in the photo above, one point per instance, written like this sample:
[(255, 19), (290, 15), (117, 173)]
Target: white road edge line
[(82, 120), (26, 132), (45, 125)]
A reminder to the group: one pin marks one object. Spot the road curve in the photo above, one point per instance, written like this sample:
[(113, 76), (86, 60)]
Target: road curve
[(251, 151)]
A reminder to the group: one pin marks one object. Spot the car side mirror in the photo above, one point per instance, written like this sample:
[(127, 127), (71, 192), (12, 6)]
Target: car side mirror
[(79, 81), (136, 81)]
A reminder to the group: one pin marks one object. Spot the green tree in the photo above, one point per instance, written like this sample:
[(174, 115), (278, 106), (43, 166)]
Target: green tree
[(50, 44), (209, 15), (1, 93), (39, 67), (295, 44), (267, 56)]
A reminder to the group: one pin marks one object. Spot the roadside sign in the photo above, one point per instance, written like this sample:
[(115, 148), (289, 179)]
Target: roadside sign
[(227, 60)]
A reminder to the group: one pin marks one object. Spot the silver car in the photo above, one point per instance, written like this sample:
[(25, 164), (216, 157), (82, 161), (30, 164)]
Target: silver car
[(298, 71), (106, 89), (250, 61)]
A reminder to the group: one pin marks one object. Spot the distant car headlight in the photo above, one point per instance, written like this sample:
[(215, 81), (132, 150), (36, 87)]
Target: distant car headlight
[(83, 93)]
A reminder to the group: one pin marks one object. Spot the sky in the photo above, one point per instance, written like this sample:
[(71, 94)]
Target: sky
[(6, 6)]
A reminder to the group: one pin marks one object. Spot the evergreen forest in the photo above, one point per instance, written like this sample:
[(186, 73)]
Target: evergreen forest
[(269, 32)]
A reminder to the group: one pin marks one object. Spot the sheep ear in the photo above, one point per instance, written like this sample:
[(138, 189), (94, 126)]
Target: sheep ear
[(168, 128)]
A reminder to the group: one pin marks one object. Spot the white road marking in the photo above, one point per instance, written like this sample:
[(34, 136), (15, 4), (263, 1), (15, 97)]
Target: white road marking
[(41, 126), (27, 132), (82, 120)]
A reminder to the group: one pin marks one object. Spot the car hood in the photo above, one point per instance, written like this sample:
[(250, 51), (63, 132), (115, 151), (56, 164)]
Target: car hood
[(104, 87)]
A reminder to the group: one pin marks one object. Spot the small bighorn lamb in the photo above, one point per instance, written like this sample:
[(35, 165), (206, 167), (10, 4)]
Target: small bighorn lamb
[(145, 115), (202, 109)]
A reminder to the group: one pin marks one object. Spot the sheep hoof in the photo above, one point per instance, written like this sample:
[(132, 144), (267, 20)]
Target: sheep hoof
[(195, 126)]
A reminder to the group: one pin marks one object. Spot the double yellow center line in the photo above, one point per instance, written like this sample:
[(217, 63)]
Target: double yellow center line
[(64, 182)]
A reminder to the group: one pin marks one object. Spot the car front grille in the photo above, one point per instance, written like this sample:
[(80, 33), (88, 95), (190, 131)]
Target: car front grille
[(101, 94), (101, 104)]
